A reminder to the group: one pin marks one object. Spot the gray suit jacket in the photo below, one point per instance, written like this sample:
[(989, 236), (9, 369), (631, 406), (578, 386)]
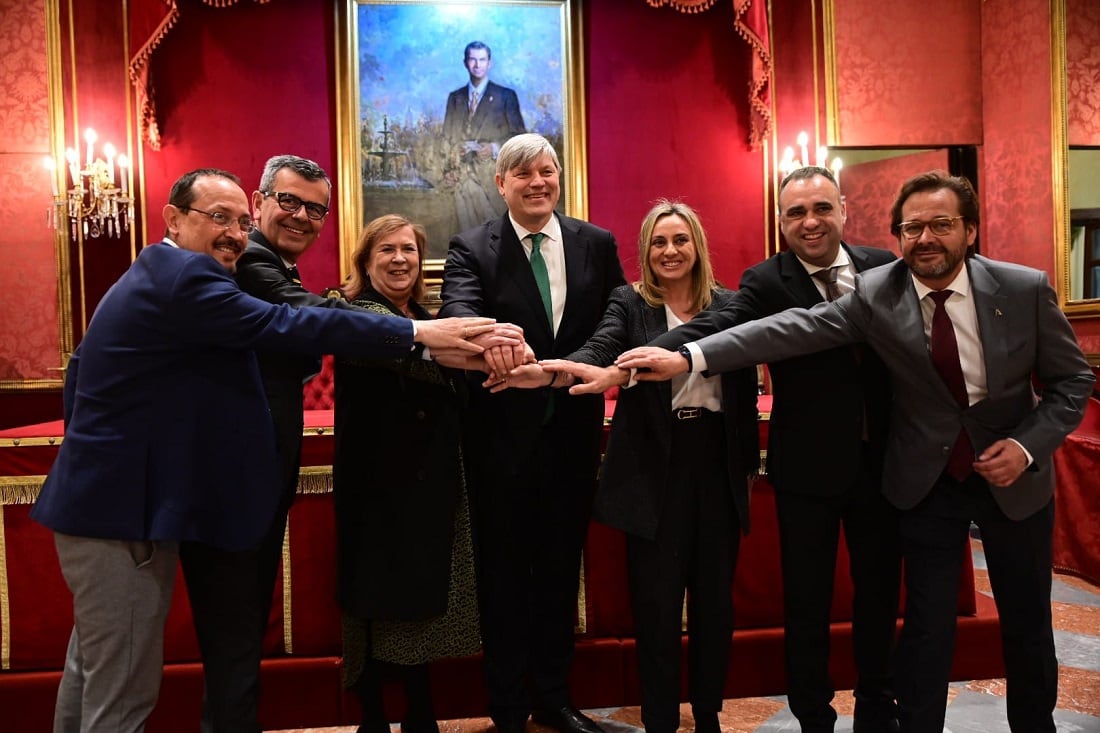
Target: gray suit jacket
[(1024, 335)]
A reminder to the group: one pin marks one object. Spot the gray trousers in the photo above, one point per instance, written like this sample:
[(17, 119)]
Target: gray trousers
[(122, 591)]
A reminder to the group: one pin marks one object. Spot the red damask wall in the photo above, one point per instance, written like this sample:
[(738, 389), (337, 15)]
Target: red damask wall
[(1016, 181), (908, 73), (870, 189), (29, 329), (1083, 71)]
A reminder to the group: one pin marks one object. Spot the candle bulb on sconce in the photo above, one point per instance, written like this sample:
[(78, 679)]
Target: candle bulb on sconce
[(789, 163), (109, 151), (51, 167), (89, 138), (836, 166), (124, 163), (94, 204)]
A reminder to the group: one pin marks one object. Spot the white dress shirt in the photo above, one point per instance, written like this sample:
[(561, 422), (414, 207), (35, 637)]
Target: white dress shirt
[(693, 389), (964, 318)]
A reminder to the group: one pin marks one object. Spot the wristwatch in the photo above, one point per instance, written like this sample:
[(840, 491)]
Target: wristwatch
[(685, 352)]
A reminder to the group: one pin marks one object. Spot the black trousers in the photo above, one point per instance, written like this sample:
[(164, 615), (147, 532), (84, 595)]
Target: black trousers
[(1018, 554), (224, 608), (809, 530), (231, 595), (529, 530), (695, 550)]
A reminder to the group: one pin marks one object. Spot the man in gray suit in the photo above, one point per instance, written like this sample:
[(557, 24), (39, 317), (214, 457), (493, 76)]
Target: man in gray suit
[(964, 338)]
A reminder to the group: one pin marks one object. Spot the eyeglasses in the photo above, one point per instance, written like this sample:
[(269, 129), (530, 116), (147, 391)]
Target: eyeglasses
[(291, 203), (223, 220), (940, 226)]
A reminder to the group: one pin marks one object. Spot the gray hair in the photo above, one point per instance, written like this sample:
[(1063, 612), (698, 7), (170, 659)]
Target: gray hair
[(522, 150), (304, 167)]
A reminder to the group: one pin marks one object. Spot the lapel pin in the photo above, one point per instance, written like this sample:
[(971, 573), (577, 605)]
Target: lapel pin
[(997, 311)]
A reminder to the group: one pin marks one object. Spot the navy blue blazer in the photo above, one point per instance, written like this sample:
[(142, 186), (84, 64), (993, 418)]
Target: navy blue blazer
[(168, 434)]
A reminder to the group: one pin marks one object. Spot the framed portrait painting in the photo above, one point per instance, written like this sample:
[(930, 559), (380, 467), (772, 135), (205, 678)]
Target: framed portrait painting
[(427, 94)]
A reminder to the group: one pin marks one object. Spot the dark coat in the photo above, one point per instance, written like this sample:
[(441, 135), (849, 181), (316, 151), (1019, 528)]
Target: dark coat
[(396, 480), (488, 274), (262, 273), (638, 458)]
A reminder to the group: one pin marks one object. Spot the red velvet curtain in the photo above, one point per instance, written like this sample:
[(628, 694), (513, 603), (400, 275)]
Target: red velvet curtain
[(150, 21), (751, 23)]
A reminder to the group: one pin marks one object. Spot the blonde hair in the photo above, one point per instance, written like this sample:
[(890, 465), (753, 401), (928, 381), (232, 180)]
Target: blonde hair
[(702, 275), (373, 232)]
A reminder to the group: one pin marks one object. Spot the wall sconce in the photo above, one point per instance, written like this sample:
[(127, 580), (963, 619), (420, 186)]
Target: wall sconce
[(790, 163), (94, 205)]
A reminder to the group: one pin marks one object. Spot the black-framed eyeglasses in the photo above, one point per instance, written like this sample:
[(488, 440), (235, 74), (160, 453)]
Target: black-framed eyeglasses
[(290, 203), (940, 226), (223, 220)]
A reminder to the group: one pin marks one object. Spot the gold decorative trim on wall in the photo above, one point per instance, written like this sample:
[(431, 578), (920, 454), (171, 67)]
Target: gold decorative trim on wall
[(5, 606), (288, 630), (1059, 138), (832, 94), (20, 489), (315, 480), (54, 106)]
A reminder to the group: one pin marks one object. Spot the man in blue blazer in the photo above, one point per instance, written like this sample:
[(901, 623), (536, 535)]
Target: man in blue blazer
[(169, 440), (965, 340), (532, 455)]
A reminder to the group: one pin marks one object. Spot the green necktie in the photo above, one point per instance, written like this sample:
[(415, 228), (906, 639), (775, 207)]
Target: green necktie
[(542, 277)]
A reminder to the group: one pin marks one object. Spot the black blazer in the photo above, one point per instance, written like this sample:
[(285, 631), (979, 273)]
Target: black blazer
[(816, 426), (488, 274), (638, 458), (396, 477), (262, 274)]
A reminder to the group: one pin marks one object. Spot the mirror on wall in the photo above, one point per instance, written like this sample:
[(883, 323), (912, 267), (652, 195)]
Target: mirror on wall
[(1075, 57), (1084, 224)]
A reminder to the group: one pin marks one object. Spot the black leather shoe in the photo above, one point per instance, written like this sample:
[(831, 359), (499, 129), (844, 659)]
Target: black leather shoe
[(566, 720), (877, 725), (706, 723), (517, 725)]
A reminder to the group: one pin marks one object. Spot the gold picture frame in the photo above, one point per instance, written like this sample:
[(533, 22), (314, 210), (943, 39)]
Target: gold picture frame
[(400, 65)]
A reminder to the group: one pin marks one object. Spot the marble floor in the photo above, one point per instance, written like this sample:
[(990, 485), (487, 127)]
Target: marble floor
[(977, 706)]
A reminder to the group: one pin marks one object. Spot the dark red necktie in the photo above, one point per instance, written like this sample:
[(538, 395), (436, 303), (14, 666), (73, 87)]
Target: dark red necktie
[(945, 357)]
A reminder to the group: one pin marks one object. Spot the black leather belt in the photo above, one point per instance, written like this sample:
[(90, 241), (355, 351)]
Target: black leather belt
[(688, 413)]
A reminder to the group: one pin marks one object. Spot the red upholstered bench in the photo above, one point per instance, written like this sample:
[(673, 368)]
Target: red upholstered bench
[(301, 669)]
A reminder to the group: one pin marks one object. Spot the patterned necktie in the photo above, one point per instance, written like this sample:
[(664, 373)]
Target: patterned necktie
[(542, 277), (474, 98), (294, 276), (945, 357), (828, 277)]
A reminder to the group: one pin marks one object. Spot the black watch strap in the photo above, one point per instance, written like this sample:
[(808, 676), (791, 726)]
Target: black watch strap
[(685, 352)]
